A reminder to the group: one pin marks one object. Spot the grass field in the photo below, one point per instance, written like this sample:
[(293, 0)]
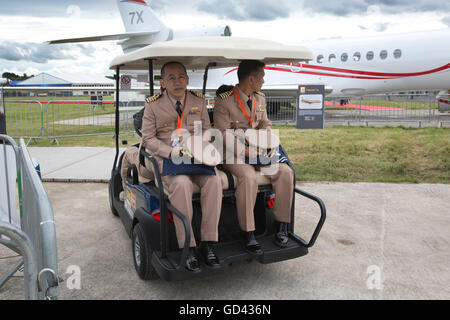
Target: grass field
[(369, 154), (346, 154)]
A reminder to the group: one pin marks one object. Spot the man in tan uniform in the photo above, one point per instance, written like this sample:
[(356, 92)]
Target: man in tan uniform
[(160, 120), (232, 111)]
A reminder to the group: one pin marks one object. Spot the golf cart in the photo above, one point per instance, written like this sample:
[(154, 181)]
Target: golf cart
[(145, 210)]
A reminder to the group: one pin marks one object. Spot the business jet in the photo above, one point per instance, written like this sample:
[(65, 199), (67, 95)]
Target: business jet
[(143, 27), (347, 67)]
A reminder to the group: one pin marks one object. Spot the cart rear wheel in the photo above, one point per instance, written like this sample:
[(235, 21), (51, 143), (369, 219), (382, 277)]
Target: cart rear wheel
[(142, 254)]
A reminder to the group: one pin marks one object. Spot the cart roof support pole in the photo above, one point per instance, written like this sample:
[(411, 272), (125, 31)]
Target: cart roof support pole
[(205, 76), (150, 77), (117, 78)]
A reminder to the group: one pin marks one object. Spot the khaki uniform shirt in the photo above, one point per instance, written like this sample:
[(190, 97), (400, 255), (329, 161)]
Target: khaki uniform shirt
[(160, 120), (228, 114)]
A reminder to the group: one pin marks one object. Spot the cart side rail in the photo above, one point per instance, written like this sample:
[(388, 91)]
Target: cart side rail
[(164, 210), (323, 214)]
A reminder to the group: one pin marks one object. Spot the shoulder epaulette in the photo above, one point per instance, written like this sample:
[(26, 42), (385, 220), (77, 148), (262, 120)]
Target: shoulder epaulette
[(154, 98), (197, 94), (226, 94), (260, 93)]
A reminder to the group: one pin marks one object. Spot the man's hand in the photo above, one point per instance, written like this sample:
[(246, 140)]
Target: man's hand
[(176, 152), (273, 152), (252, 152)]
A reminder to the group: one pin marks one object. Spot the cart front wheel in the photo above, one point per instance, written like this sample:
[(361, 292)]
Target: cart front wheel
[(142, 254), (111, 198)]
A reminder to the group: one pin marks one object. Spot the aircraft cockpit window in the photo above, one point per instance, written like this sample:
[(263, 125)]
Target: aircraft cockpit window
[(319, 58), (344, 57), (397, 53), (383, 54), (356, 56), (369, 55), (332, 58)]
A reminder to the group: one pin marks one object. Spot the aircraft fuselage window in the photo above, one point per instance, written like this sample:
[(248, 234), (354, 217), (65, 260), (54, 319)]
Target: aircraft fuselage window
[(319, 58), (369, 55), (397, 53), (356, 56), (383, 54), (332, 58), (344, 57)]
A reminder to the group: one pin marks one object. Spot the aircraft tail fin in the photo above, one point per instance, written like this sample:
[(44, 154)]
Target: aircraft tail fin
[(138, 16)]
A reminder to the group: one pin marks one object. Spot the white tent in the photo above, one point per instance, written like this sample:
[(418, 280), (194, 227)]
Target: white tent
[(43, 79)]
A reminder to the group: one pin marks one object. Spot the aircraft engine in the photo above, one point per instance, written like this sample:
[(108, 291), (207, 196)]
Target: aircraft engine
[(203, 32)]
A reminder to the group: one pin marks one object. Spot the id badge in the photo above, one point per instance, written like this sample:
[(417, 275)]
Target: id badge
[(176, 142)]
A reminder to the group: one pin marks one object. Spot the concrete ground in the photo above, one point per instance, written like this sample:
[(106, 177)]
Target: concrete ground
[(380, 241)]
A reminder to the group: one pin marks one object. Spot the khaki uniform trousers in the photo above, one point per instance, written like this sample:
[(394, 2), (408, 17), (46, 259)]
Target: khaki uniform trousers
[(180, 196), (246, 191), (130, 157)]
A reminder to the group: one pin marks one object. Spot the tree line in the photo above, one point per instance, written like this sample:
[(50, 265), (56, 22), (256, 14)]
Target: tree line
[(15, 77)]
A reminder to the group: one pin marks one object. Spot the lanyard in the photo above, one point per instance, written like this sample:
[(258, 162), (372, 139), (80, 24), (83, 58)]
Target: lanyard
[(180, 120), (243, 109)]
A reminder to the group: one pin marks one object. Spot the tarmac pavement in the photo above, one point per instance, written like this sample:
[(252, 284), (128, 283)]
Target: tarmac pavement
[(380, 241)]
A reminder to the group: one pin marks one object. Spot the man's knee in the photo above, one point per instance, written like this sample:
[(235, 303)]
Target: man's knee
[(247, 178), (285, 170), (214, 181), (181, 183)]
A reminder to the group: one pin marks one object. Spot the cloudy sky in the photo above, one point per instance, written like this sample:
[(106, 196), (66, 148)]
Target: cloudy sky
[(26, 24)]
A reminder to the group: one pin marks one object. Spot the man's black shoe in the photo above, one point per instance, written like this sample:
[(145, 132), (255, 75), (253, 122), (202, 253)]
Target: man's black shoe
[(251, 244), (281, 237), (192, 263), (211, 260)]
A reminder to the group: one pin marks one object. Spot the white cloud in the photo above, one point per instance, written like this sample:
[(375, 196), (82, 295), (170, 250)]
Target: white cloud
[(300, 26)]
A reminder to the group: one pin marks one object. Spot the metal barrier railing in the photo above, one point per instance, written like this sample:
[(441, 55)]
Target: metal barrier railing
[(281, 109), (371, 108), (384, 107), (35, 240), (67, 118), (25, 118), (32, 119)]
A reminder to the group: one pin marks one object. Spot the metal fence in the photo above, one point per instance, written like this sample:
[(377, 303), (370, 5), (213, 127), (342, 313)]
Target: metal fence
[(386, 108), (281, 110), (382, 108), (33, 119), (35, 238)]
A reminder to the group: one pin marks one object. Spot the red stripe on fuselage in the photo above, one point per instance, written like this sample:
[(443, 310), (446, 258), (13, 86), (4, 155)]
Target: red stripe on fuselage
[(353, 74), (378, 74), (137, 1), (324, 74)]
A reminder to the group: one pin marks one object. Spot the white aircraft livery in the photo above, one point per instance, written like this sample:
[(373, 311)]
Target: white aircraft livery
[(143, 27), (347, 67), (378, 64)]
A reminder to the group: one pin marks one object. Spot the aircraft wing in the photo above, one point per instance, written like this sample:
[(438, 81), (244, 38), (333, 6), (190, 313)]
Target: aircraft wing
[(119, 36)]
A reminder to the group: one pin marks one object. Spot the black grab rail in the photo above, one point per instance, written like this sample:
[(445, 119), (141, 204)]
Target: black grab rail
[(323, 214), (164, 211)]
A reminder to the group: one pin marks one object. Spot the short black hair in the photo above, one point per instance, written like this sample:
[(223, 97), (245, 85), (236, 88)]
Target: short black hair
[(249, 67), (169, 63)]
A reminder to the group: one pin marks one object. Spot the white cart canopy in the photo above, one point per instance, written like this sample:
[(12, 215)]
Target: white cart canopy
[(196, 53)]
